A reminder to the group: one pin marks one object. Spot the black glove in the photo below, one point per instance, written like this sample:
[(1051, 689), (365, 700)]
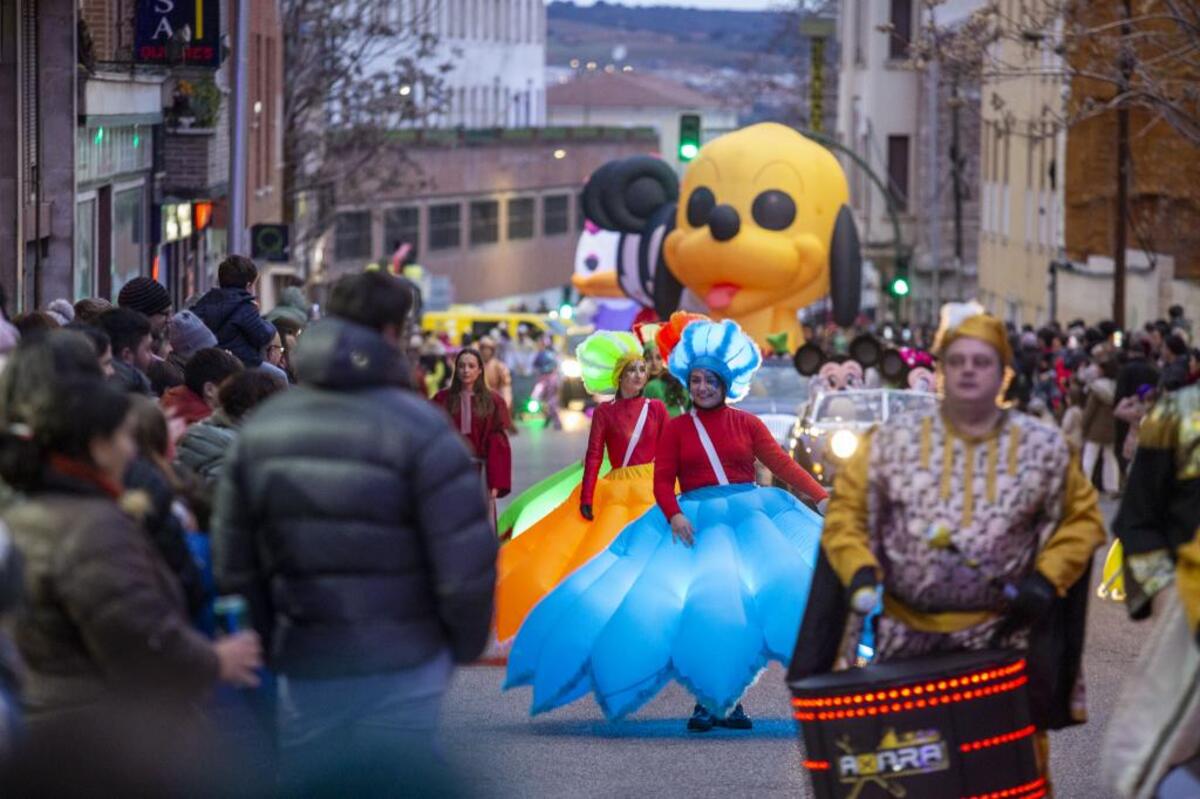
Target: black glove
[(1034, 598), (586, 512), (862, 590)]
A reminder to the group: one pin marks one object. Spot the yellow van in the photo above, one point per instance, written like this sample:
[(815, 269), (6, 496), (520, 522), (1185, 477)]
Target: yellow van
[(463, 319)]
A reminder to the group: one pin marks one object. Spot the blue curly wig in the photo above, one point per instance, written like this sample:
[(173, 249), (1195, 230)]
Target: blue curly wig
[(721, 348)]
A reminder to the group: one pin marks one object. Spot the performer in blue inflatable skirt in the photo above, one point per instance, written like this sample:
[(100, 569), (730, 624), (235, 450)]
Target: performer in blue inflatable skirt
[(707, 587)]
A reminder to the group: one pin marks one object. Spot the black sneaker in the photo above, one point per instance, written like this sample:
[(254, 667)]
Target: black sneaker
[(737, 720), (701, 720)]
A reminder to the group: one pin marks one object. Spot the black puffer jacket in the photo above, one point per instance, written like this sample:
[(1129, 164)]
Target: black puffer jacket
[(350, 516)]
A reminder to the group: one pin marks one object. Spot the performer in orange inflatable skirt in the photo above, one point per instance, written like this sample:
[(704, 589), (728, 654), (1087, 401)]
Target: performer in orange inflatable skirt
[(628, 427), (707, 587)]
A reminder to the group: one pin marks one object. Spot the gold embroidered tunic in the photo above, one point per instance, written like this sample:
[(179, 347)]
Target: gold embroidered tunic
[(947, 520)]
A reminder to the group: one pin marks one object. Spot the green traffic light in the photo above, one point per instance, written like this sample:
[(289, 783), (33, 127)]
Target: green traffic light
[(900, 287), (688, 151)]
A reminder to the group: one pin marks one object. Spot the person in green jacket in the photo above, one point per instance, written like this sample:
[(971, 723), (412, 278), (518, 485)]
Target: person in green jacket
[(662, 385)]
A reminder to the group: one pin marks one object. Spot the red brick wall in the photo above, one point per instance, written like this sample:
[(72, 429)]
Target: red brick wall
[(1164, 214)]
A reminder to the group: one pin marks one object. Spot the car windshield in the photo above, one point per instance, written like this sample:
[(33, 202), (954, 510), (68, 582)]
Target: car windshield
[(780, 383), (904, 401), (855, 407)]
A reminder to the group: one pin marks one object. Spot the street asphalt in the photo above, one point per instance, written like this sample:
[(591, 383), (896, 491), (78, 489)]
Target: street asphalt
[(498, 750)]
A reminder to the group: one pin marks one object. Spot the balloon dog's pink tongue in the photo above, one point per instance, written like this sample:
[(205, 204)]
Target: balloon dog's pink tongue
[(721, 295)]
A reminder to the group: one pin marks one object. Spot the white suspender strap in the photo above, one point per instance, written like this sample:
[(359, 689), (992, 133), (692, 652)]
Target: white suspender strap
[(637, 433), (710, 450)]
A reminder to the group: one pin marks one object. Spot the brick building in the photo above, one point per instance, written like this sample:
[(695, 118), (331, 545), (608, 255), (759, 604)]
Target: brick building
[(111, 176), (37, 163), (500, 217), (1049, 192)]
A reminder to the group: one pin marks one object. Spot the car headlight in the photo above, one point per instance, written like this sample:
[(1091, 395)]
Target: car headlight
[(571, 369), (843, 444)]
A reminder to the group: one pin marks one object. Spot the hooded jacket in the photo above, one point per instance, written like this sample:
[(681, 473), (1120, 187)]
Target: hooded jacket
[(204, 446), (293, 305), (351, 517), (232, 315)]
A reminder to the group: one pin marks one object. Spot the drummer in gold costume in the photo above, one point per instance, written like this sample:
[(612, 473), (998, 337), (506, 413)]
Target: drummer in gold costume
[(973, 518)]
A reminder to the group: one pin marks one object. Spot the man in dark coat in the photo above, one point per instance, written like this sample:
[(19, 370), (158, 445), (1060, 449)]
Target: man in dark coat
[(351, 517), (231, 312)]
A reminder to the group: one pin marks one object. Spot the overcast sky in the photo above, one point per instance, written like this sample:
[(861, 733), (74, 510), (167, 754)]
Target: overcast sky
[(736, 5)]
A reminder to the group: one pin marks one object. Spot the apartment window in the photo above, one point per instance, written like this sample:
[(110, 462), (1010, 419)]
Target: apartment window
[(901, 35), (485, 222), (402, 226), (445, 226), (860, 30), (555, 214), (521, 215), (897, 169), (352, 238)]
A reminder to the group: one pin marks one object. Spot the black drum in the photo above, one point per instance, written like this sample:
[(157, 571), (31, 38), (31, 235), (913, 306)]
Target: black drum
[(954, 726)]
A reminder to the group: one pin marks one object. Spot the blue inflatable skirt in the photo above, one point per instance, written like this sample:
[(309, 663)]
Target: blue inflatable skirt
[(649, 609)]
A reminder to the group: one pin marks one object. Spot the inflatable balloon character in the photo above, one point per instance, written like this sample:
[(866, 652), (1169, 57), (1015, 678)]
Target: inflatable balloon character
[(759, 229), (595, 277)]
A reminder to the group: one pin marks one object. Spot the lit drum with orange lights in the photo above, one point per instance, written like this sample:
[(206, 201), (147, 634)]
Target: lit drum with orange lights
[(950, 726)]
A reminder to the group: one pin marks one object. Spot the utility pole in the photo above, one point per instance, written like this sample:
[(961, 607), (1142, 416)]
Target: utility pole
[(1122, 201), (237, 157)]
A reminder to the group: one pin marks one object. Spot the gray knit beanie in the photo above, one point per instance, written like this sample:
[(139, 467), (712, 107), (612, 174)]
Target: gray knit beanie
[(188, 334)]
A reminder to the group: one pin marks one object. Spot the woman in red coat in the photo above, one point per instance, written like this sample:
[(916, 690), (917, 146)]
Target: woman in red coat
[(483, 419)]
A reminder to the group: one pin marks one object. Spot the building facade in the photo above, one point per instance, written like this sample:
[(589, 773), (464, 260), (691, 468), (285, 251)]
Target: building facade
[(618, 98), (496, 50), (501, 218), (900, 122), (1049, 213)]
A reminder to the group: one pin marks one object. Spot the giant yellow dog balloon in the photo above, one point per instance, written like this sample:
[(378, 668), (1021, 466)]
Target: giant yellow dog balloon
[(756, 225), (760, 229)]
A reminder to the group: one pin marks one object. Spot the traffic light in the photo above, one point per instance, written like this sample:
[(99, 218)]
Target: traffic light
[(689, 136), (899, 286)]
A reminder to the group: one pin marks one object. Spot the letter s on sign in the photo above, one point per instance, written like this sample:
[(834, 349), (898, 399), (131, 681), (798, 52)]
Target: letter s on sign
[(164, 6)]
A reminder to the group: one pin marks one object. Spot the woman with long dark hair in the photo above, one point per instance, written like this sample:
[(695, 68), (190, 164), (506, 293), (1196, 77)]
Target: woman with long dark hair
[(105, 619), (482, 417)]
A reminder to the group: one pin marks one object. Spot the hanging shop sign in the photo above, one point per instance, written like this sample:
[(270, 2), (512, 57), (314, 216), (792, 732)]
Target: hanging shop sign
[(178, 32)]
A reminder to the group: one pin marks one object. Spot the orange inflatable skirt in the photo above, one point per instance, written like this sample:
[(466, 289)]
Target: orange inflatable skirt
[(534, 563)]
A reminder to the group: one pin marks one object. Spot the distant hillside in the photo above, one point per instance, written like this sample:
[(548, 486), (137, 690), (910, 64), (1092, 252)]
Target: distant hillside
[(662, 37)]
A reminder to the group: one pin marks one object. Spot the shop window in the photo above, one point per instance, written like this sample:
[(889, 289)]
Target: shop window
[(85, 248), (485, 222), (445, 226), (352, 237), (555, 214), (521, 218), (128, 236)]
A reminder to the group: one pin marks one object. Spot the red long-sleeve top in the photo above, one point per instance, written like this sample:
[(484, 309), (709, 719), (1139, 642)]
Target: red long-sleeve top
[(739, 438), (488, 440), (612, 428)]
